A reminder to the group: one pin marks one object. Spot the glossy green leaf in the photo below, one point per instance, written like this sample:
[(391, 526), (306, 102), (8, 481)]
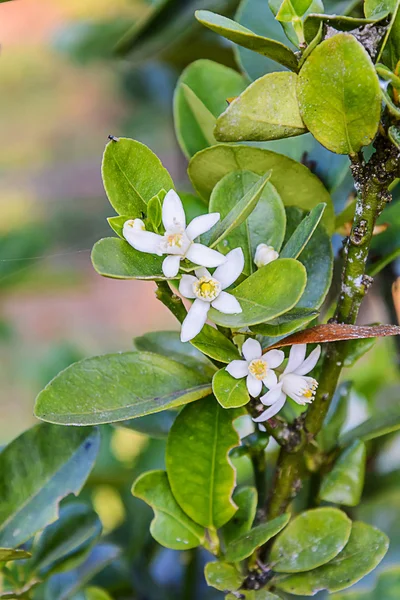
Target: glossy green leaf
[(364, 551), (291, 20), (117, 224), (254, 595), (267, 110), (328, 437), (154, 211), (223, 576), (132, 175), (291, 321), (168, 343), (34, 480), (215, 344), (389, 50), (312, 539), (269, 292), (339, 95), (303, 233), (355, 349), (240, 211), (248, 39), (244, 546), (200, 473), (171, 527), (7, 554), (115, 387), (69, 538), (295, 184), (245, 499), (200, 97), (385, 421), (113, 257), (265, 225), (230, 392), (344, 484)]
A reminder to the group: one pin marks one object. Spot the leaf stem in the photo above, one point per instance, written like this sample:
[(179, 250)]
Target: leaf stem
[(165, 294)]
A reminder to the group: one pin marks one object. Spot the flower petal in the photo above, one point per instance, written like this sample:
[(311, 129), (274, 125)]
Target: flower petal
[(227, 273), (170, 266), (186, 286), (202, 272), (251, 349), (310, 362), (274, 358), (227, 304), (238, 368), (270, 380), (173, 214), (206, 257), (272, 410), (201, 224), (272, 396), (254, 386), (195, 320), (144, 241), (296, 356)]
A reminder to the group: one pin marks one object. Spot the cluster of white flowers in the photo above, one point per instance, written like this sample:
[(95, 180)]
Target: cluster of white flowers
[(259, 370), (178, 242)]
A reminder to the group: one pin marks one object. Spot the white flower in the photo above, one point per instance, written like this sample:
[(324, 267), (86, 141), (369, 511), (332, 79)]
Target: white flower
[(207, 290), (257, 367), (292, 382), (178, 240), (264, 255)]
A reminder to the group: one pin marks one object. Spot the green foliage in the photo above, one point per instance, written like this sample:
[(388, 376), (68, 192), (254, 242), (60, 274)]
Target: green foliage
[(230, 392), (214, 344), (113, 257), (245, 499), (303, 233), (344, 484), (223, 576), (244, 545)]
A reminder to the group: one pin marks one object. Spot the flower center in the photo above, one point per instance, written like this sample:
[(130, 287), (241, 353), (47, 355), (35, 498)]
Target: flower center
[(258, 368), (175, 240), (207, 288)]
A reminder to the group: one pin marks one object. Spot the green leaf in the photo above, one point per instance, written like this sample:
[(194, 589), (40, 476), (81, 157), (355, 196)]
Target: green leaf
[(394, 135), (328, 437), (339, 95), (303, 233), (352, 596), (155, 426), (253, 595), (7, 554), (171, 527), (293, 24), (267, 110), (113, 257), (344, 484), (154, 210), (200, 473), (168, 343), (230, 392), (265, 225), (238, 213), (115, 387), (355, 349), (200, 97), (294, 319), (214, 344), (242, 36), (95, 593), (132, 175), (193, 205), (389, 51), (295, 184), (312, 539), (117, 224), (223, 576), (35, 480), (385, 421), (68, 539), (269, 292), (388, 585), (364, 551), (244, 546), (245, 499)]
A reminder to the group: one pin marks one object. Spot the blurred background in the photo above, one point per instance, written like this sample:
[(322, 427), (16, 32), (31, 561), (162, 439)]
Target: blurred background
[(70, 75)]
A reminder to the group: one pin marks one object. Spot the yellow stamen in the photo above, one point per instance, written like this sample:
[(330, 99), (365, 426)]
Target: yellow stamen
[(175, 239), (207, 288), (258, 368)]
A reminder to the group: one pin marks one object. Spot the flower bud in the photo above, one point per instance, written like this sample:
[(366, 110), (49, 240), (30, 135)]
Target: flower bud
[(264, 255)]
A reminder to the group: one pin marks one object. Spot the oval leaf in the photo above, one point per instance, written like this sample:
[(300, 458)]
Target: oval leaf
[(223, 576), (34, 480), (113, 257), (171, 527), (384, 422), (267, 110), (268, 293), (295, 184), (199, 470), (230, 392), (215, 344), (285, 324), (312, 539), (246, 544), (302, 234), (364, 551), (246, 500), (115, 387), (339, 95), (344, 484)]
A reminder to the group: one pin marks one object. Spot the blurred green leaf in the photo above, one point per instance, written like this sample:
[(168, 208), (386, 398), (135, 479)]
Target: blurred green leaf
[(246, 500), (328, 437), (215, 344), (203, 486), (34, 480), (356, 349), (385, 421), (244, 546), (171, 527), (389, 51), (115, 258), (294, 319), (266, 224), (116, 387), (344, 484), (7, 554), (223, 576), (388, 585), (230, 392), (254, 595), (303, 233), (156, 425), (312, 539), (93, 593)]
